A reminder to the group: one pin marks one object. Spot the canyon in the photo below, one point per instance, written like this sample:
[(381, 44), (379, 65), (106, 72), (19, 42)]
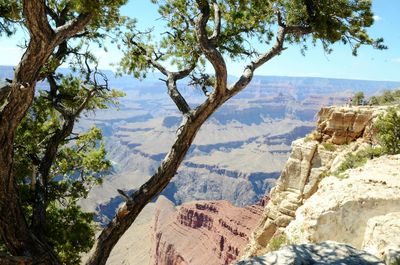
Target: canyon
[(226, 162)]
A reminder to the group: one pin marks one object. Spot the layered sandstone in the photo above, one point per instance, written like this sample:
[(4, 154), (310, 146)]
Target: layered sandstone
[(340, 130), (361, 210), (201, 232)]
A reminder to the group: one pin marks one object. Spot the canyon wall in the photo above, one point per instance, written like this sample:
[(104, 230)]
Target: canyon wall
[(339, 130), (201, 232)]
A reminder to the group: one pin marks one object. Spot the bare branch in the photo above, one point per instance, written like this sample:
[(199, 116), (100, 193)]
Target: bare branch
[(172, 77), (247, 75), (217, 23), (176, 96), (210, 51), (73, 26)]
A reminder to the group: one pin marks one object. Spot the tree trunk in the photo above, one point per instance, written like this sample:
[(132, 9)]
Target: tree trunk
[(14, 229), (155, 185)]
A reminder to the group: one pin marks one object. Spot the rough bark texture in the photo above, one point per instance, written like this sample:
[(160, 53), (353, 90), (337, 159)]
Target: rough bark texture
[(20, 240)]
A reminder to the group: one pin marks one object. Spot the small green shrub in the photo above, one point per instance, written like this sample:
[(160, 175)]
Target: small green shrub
[(278, 241), (358, 159), (373, 101), (329, 146), (325, 174), (387, 97), (388, 127)]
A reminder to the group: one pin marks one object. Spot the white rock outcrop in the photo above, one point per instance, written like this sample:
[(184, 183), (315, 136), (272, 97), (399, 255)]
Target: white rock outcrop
[(382, 237), (361, 210)]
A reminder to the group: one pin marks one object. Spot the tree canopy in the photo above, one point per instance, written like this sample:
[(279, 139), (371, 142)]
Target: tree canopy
[(41, 181)]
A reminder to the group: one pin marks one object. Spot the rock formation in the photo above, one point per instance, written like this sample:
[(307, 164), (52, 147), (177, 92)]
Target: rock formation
[(382, 238), (340, 130), (323, 253), (201, 232), (362, 210)]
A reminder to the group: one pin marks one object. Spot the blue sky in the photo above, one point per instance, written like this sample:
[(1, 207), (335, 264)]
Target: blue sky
[(370, 64)]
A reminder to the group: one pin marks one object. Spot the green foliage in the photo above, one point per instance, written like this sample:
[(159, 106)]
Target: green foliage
[(357, 160), (71, 231), (10, 14), (50, 157), (243, 23), (329, 146), (387, 97), (79, 163), (278, 241), (388, 127), (325, 174), (396, 261), (373, 101), (358, 98)]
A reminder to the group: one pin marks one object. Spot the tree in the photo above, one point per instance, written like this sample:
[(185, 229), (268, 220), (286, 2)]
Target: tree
[(208, 31), (199, 31), (28, 235), (55, 167), (387, 97), (388, 127), (373, 100), (358, 98)]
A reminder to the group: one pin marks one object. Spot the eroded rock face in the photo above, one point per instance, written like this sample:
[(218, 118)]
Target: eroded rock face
[(341, 208), (342, 125), (298, 181), (382, 237), (322, 253), (340, 130), (202, 232)]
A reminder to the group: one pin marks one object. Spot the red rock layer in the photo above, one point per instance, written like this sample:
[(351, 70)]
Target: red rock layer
[(202, 232)]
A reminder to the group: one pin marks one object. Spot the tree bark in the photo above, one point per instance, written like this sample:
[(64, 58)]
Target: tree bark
[(14, 229)]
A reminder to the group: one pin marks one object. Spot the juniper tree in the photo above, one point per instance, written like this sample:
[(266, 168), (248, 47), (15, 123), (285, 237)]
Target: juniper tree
[(36, 129), (200, 32), (358, 98), (388, 127)]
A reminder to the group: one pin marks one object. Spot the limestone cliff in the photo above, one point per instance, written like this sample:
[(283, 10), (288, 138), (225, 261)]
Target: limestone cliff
[(339, 130)]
